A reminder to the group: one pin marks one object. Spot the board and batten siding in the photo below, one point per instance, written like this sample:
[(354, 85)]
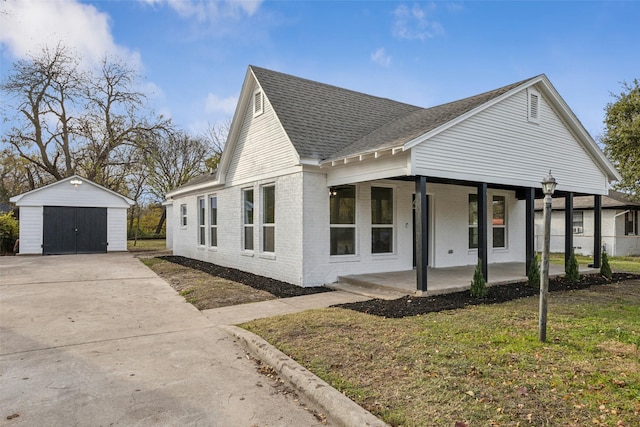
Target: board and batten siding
[(262, 149), (499, 145)]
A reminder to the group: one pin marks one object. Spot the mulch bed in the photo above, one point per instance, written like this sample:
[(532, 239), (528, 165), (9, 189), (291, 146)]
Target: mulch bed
[(405, 306), (276, 288), (412, 306)]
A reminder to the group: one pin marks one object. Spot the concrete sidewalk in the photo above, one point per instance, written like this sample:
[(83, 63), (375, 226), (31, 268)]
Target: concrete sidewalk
[(101, 340)]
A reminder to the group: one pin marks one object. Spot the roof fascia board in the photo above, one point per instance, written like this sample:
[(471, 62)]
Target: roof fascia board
[(16, 199), (211, 185)]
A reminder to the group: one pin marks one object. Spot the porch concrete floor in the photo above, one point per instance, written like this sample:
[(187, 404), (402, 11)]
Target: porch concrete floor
[(396, 284)]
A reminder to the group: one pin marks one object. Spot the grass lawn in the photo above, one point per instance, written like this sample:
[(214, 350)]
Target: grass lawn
[(629, 264), (146, 245), (482, 366)]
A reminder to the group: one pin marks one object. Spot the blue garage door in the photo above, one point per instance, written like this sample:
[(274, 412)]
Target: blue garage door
[(74, 230)]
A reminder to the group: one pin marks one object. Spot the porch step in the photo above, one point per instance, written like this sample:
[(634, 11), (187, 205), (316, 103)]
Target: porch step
[(372, 290)]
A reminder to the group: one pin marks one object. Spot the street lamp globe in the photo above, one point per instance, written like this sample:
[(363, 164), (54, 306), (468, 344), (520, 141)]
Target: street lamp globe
[(548, 185)]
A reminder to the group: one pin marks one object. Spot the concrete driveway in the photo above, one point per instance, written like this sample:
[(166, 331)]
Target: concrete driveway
[(101, 340)]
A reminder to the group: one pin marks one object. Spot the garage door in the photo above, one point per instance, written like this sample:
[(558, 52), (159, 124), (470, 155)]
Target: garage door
[(74, 230)]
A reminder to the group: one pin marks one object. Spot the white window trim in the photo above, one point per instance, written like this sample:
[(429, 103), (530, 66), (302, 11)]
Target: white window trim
[(506, 222), (356, 244), (392, 226), (212, 226), (268, 254), (244, 225), (201, 206), (258, 95), (183, 216), (533, 99)]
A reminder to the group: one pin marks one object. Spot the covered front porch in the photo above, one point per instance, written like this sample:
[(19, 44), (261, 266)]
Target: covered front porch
[(396, 284)]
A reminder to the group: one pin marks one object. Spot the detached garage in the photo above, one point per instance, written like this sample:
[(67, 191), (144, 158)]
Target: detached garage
[(72, 216)]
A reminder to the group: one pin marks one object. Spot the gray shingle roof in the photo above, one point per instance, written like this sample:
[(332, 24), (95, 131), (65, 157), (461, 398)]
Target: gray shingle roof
[(615, 199), (325, 122)]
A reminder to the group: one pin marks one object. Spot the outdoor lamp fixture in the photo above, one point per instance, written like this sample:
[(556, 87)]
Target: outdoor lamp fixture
[(75, 182), (548, 187), (332, 191)]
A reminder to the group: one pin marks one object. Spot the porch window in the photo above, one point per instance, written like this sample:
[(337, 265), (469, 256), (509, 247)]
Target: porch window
[(183, 215), (342, 207), (381, 220), (201, 222), (631, 223), (473, 221), (247, 219), (499, 222), (213, 221), (578, 222), (268, 218)]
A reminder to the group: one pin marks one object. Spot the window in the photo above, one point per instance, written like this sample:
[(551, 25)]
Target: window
[(342, 207), (258, 103), (201, 222), (631, 223), (247, 219), (473, 221), (499, 222), (183, 215), (381, 220), (213, 221), (578, 222), (533, 106), (268, 218)]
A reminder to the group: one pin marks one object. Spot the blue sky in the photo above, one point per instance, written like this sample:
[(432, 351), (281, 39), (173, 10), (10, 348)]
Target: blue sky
[(194, 54)]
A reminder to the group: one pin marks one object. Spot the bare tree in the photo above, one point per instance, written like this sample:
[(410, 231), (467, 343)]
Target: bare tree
[(216, 136)]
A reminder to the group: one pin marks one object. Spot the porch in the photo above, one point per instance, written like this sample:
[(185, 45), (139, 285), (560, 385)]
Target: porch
[(396, 284)]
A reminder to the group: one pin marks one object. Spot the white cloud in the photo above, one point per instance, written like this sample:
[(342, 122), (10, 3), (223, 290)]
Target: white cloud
[(209, 10), (380, 57), (29, 25), (214, 104), (415, 23)]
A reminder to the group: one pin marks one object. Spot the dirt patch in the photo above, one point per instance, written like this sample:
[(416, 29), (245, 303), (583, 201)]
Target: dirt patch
[(412, 306), (276, 288)]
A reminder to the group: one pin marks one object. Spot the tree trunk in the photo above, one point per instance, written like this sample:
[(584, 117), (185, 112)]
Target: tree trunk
[(161, 221)]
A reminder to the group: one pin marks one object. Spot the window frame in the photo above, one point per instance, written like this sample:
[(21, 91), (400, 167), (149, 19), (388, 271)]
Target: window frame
[(339, 226), (577, 229), (268, 225), (248, 227), (213, 221), (472, 223), (183, 215), (631, 217), (391, 226), (503, 226), (202, 221)]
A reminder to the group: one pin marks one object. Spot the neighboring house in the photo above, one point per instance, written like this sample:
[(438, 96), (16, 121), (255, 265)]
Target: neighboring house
[(316, 181), (72, 216), (620, 232)]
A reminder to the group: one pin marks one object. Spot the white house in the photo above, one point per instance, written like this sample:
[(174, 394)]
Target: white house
[(316, 181), (71, 216), (620, 232)]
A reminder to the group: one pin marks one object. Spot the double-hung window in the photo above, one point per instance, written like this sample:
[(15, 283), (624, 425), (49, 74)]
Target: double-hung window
[(213, 221), (342, 207), (631, 223), (381, 220), (247, 219), (473, 221), (578, 222), (201, 222), (268, 218), (499, 222), (183, 215)]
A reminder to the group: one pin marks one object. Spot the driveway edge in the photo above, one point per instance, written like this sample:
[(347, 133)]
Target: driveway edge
[(336, 405)]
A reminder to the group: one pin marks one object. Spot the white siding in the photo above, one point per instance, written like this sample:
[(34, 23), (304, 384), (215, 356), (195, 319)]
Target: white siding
[(499, 145), (64, 194), (116, 229), (262, 150), (170, 224), (360, 171), (31, 230)]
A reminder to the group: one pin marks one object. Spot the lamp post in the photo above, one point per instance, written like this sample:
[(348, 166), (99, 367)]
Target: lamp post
[(548, 187)]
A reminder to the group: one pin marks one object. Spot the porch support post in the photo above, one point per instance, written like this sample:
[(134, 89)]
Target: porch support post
[(568, 228), (597, 230), (422, 250), (530, 195), (482, 229)]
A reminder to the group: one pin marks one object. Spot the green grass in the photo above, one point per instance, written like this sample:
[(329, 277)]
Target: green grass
[(146, 245), (629, 264), (482, 365)]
